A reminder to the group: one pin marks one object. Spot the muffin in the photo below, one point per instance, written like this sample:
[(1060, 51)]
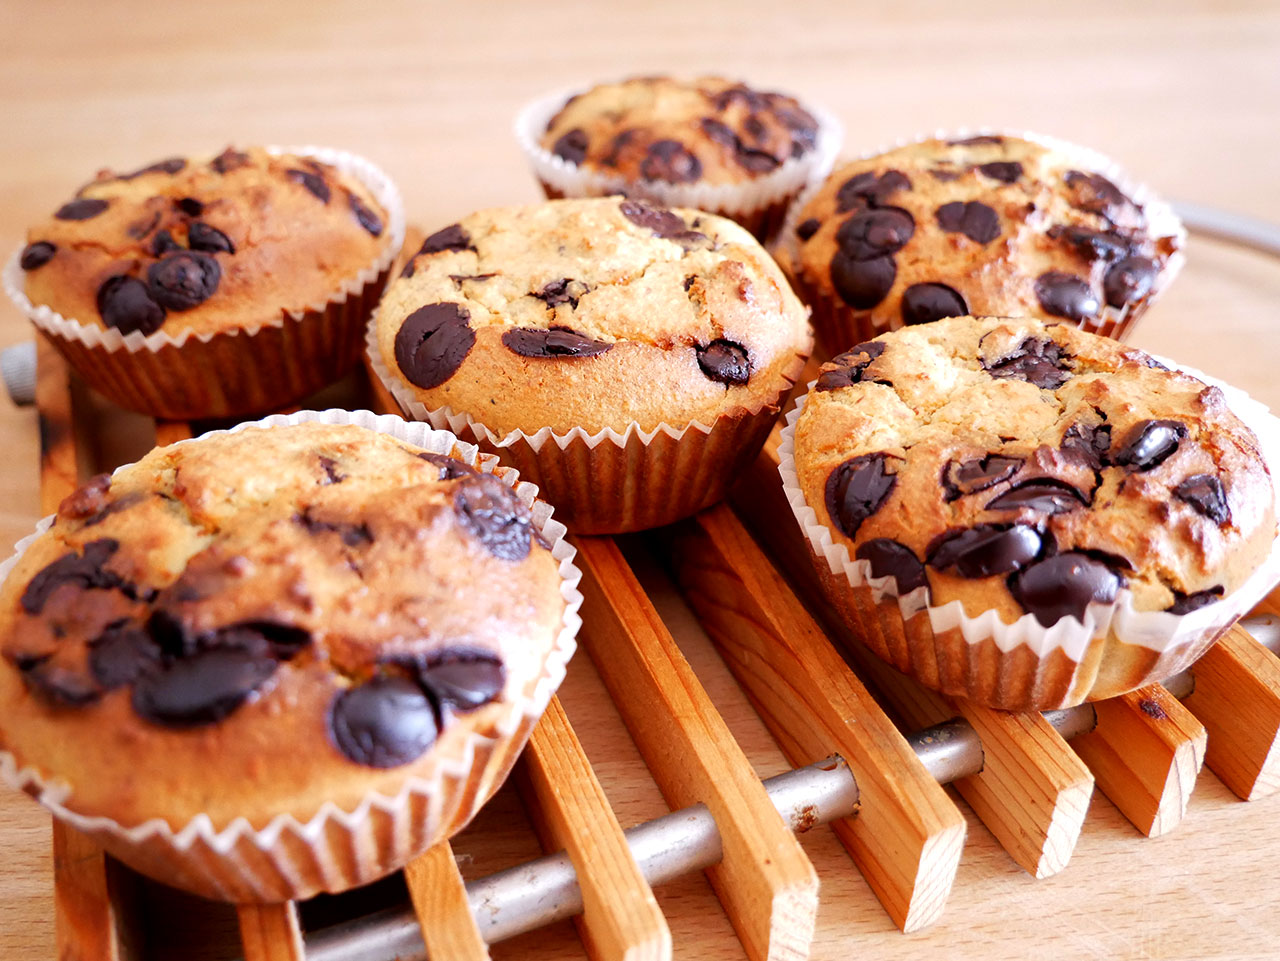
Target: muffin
[(285, 659), (1030, 515), (708, 143), (627, 358), (213, 287), (988, 225)]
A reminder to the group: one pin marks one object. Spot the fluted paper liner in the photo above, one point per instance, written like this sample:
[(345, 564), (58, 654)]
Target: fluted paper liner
[(759, 204), (839, 326), (611, 482), (1025, 666), (286, 356), (335, 849)]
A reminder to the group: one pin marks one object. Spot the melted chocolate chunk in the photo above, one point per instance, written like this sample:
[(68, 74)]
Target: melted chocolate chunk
[(171, 634), (57, 684), (1091, 244), (37, 254), (663, 222), (1063, 586), (572, 146), (620, 141), (1089, 443), (862, 283), (1066, 295), (1204, 492), (985, 549), (272, 638), (671, 161), (170, 166), (452, 237), (875, 233), (190, 206), (801, 123), (183, 279), (891, 559), (229, 160), (163, 243), (1035, 360), (977, 141), (719, 132), (121, 654), (1043, 494), (331, 473), (1128, 280), (975, 220), (314, 183), (432, 343), (465, 680), (807, 228), (200, 236), (852, 363), (202, 688), (143, 226), (365, 216), (724, 361), (84, 570), (87, 499), (489, 510), (1149, 444), (555, 341), (449, 467), (1096, 194), (560, 292), (1186, 603), (925, 303), (353, 535), (383, 723), (869, 189), (857, 489), (1006, 171), (970, 476), (82, 208)]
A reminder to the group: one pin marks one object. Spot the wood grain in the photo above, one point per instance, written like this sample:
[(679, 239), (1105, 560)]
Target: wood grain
[(440, 901), (270, 932)]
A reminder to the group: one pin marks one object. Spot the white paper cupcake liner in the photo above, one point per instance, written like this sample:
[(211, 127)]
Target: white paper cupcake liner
[(759, 204), (1024, 665), (335, 849), (839, 326), (184, 375)]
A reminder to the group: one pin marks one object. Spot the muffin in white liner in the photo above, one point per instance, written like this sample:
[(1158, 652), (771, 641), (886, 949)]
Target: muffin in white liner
[(337, 846), (1020, 664), (758, 201), (975, 264), (278, 355)]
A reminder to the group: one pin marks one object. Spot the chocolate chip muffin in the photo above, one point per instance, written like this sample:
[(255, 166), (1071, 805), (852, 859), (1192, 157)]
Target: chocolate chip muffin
[(710, 143), (275, 624), (990, 224), (625, 357), (1027, 514), (213, 287)]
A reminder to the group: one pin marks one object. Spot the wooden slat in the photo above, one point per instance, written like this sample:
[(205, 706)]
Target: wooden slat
[(620, 916), (171, 431), (1146, 753), (1237, 697), (270, 932), (439, 899), (766, 883), (908, 835)]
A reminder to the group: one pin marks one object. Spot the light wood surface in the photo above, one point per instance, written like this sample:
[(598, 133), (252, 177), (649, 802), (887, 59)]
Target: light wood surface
[(270, 932), (1183, 92), (440, 902)]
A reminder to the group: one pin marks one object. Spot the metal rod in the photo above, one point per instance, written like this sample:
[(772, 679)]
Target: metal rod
[(546, 890)]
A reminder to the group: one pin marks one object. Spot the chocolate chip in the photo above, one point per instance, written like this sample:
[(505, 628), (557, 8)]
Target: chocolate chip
[(202, 688), (669, 160), (37, 254), (1096, 194), (719, 132), (1037, 361), (757, 161), (465, 680), (183, 279), (190, 206), (163, 243), (432, 343), (121, 653), (170, 166), (57, 684), (620, 141), (86, 499), (862, 283), (1091, 244), (875, 233), (724, 361), (1128, 280), (1043, 494), (977, 474), (891, 559), (1186, 603), (869, 189), (353, 535), (1066, 295), (976, 141), (1204, 492), (1006, 171), (494, 516), (975, 220), (82, 208), (925, 303), (312, 181), (856, 489), (560, 292), (452, 237), (985, 549), (269, 638), (1149, 444), (1089, 443), (572, 146), (143, 226), (450, 468), (385, 722), (663, 222), (807, 228), (556, 341), (200, 236), (365, 216), (851, 365), (1063, 586), (229, 160), (85, 570)]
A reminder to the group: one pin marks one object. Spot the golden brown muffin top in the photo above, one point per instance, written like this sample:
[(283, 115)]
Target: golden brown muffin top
[(708, 130), (592, 313), (991, 225), (204, 245), (1030, 467), (255, 623)]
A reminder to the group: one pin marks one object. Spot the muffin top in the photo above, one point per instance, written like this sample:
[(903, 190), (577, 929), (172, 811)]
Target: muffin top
[(1031, 467), (592, 313), (204, 246), (255, 623), (708, 130), (989, 225)]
